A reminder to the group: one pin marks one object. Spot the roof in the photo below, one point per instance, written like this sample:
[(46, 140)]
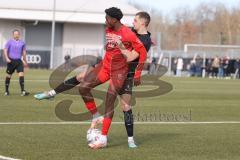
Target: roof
[(77, 11)]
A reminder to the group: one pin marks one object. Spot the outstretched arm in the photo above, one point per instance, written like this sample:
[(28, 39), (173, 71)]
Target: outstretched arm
[(5, 52)]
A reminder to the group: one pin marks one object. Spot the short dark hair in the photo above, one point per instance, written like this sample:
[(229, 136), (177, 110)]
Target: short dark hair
[(114, 13), (16, 30), (145, 16)]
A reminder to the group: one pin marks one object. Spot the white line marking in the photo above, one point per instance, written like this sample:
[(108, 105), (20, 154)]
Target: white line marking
[(29, 80), (83, 123), (7, 158)]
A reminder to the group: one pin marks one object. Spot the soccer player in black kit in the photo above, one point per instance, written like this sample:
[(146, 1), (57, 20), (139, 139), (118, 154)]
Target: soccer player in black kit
[(140, 24)]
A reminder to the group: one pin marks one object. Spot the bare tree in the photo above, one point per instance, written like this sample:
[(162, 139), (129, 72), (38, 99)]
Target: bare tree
[(208, 23)]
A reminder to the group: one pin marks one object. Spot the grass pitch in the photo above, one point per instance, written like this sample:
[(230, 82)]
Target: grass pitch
[(195, 99)]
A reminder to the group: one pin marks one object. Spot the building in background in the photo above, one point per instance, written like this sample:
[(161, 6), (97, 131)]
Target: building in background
[(79, 26)]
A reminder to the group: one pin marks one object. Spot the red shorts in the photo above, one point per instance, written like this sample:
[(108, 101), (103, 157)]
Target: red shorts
[(116, 77)]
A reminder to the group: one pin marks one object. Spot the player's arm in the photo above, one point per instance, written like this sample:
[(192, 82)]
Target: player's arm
[(5, 52), (140, 49), (24, 56), (129, 55)]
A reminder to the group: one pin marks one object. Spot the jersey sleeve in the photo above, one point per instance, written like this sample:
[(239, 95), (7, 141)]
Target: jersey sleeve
[(7, 45), (24, 47), (138, 47)]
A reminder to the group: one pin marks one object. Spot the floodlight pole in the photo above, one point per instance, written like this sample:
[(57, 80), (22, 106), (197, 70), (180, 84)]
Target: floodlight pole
[(53, 34)]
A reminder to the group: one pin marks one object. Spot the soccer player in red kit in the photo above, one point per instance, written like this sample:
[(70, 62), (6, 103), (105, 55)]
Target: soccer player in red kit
[(114, 67)]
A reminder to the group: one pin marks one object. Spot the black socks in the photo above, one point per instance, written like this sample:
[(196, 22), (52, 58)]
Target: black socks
[(128, 118), (21, 82), (7, 83), (66, 85)]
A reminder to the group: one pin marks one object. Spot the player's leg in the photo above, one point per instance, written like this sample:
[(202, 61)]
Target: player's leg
[(125, 101), (20, 71), (116, 82), (94, 78), (109, 112), (64, 86), (10, 70), (7, 84), (71, 82), (128, 118)]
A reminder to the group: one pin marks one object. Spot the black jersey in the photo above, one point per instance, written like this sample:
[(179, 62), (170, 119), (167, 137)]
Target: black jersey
[(146, 40), (128, 83)]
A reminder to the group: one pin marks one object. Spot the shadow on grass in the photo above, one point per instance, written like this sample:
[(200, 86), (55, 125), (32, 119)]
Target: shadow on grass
[(143, 138)]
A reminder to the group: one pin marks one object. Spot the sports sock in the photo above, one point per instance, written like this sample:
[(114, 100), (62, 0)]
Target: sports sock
[(91, 106), (21, 82), (130, 139), (128, 118), (52, 92), (66, 85), (7, 83), (106, 125)]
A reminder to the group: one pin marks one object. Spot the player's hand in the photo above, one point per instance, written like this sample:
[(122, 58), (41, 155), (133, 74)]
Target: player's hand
[(137, 81), (115, 38), (25, 64)]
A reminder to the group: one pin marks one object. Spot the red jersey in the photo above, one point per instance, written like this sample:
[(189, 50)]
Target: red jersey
[(114, 59)]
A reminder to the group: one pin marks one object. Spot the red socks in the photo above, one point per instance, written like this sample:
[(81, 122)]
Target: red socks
[(106, 125), (91, 106)]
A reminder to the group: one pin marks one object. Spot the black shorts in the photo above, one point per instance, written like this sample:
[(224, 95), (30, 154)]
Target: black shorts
[(15, 65), (127, 87), (128, 83)]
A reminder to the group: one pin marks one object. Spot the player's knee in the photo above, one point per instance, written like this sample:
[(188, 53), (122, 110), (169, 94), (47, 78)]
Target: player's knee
[(80, 77), (109, 114), (125, 107), (9, 75), (84, 88), (20, 74)]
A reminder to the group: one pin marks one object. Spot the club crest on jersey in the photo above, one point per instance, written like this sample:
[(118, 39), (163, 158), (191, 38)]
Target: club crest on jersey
[(111, 42)]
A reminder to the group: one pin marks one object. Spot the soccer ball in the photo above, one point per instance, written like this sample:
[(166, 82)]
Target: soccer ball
[(93, 134)]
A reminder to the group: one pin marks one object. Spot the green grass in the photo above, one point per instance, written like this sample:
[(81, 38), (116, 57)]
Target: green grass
[(207, 99)]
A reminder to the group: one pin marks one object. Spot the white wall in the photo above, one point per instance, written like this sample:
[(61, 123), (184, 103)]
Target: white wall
[(77, 37)]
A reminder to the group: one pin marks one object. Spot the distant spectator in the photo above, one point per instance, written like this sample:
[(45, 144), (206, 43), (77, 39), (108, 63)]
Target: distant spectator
[(215, 66), (153, 64), (237, 69), (67, 65), (221, 68), (67, 57), (199, 64), (226, 67), (179, 67), (209, 67), (192, 68), (174, 66)]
